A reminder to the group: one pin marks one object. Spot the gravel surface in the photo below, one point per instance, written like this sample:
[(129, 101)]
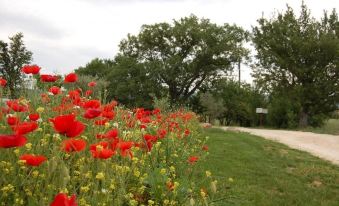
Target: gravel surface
[(321, 145)]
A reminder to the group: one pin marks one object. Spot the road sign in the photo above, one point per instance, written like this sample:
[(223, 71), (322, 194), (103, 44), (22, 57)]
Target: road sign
[(261, 110)]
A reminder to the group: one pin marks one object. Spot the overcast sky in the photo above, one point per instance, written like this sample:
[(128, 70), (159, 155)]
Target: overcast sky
[(66, 34)]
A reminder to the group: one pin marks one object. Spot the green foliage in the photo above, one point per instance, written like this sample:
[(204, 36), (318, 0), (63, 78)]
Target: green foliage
[(232, 103), (282, 112), (182, 56), (12, 57), (300, 56), (132, 84), (96, 68), (162, 103), (214, 107), (330, 126)]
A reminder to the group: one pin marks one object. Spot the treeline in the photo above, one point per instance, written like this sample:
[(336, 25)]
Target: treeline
[(187, 62), (295, 68)]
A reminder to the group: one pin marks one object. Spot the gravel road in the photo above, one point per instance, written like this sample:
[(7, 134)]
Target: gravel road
[(321, 145)]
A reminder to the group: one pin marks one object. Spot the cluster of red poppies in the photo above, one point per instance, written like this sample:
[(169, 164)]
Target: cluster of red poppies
[(74, 113)]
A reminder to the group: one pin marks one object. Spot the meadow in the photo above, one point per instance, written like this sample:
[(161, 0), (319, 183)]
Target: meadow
[(65, 147)]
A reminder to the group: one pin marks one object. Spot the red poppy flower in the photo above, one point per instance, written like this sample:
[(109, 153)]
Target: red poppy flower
[(34, 117), (102, 144), (92, 84), (125, 148), (205, 148), (69, 78), (33, 160), (101, 121), (3, 82), (143, 126), (67, 125), (48, 78), (111, 134), (101, 151), (73, 145), (145, 120), (31, 69), (108, 114), (12, 120), (102, 154), (7, 141), (5, 110), (24, 128), (92, 113), (187, 132), (74, 95), (170, 185), (162, 133), (16, 106), (88, 93), (94, 104), (193, 159), (150, 138), (62, 199), (55, 90), (156, 111), (109, 107)]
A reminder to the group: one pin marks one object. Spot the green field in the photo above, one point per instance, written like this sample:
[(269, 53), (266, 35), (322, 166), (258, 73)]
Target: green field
[(331, 126), (268, 173)]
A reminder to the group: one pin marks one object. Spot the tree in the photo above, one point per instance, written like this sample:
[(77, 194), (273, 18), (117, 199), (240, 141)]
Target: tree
[(132, 84), (299, 58), (214, 107), (232, 104), (12, 58), (97, 68), (185, 54)]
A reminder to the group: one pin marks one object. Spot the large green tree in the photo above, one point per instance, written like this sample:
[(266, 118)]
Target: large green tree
[(12, 57), (183, 55), (97, 68), (132, 84), (298, 57)]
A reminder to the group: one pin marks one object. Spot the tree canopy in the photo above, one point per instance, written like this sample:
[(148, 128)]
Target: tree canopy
[(96, 68), (12, 57), (298, 58), (183, 55)]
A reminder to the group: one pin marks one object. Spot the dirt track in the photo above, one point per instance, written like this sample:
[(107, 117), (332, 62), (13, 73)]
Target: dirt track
[(321, 145)]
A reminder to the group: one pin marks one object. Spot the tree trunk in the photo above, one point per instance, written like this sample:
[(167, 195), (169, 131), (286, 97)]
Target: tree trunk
[(12, 91), (303, 119)]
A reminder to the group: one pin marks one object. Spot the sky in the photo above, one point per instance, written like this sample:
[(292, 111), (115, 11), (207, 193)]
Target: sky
[(66, 34)]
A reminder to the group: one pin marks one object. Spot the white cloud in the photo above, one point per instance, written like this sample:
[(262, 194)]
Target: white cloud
[(65, 34)]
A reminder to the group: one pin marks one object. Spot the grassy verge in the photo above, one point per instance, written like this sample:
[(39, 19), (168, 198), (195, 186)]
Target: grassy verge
[(268, 173), (331, 126)]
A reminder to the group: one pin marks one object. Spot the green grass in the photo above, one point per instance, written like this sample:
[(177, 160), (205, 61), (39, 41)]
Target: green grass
[(331, 126), (268, 173)]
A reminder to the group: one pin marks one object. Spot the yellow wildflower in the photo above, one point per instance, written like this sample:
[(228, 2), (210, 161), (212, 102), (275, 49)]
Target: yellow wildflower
[(40, 109), (100, 176)]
